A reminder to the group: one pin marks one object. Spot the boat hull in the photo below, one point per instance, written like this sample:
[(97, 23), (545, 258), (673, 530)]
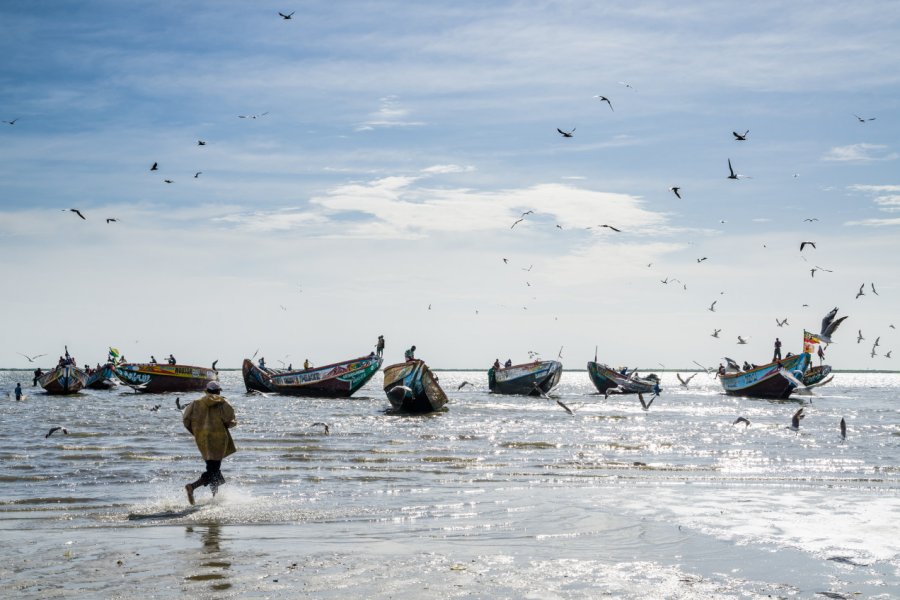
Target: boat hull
[(154, 379), (338, 380), (815, 375), (412, 387), (531, 379), (63, 380), (765, 381), (101, 379), (606, 379)]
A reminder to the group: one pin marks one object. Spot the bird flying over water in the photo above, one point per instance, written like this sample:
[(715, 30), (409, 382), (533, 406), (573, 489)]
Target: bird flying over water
[(795, 420), (741, 340), (873, 289), (327, 429), (254, 116), (111, 220), (13, 122), (676, 190), (55, 429), (645, 405), (31, 358), (743, 420), (805, 244), (567, 134), (861, 292), (781, 323), (463, 384), (829, 325), (888, 354), (626, 84), (712, 307), (155, 167), (732, 174), (517, 222), (862, 120), (700, 260), (715, 333), (168, 181), (77, 212), (286, 17), (605, 99), (611, 227), (685, 382), (810, 220), (201, 143), (740, 137), (859, 336)]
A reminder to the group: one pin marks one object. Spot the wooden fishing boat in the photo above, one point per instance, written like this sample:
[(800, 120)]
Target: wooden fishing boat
[(767, 381), (64, 379), (338, 380), (608, 380), (156, 378), (101, 379), (529, 379), (814, 376), (412, 387)]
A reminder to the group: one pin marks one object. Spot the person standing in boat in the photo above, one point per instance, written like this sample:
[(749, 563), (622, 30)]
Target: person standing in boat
[(37, 374), (379, 347), (209, 419), (171, 360), (496, 364), (262, 362), (18, 392), (306, 364), (410, 355), (508, 363), (777, 355)]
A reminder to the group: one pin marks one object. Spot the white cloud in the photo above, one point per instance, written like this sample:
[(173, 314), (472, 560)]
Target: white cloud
[(887, 202), (859, 153), (442, 169), (876, 222), (389, 114)]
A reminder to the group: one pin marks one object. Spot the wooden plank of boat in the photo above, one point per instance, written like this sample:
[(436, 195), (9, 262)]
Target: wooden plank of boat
[(606, 379), (337, 380), (765, 381), (64, 379), (156, 378), (412, 387), (528, 379), (101, 379)]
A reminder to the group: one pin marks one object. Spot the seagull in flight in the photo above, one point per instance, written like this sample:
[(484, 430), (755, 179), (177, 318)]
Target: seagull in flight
[(77, 212), (645, 405), (111, 220), (626, 84), (795, 420), (888, 354), (31, 358), (605, 99), (810, 220), (781, 323), (741, 340), (55, 429), (743, 420), (732, 174), (700, 260), (201, 143), (676, 190), (740, 137), (517, 222), (861, 292), (13, 122), (685, 382), (862, 120), (611, 227), (859, 336), (877, 342), (286, 17), (712, 307), (829, 325), (155, 167), (805, 244), (567, 134), (168, 181), (715, 333), (812, 272), (873, 289), (463, 384), (254, 116)]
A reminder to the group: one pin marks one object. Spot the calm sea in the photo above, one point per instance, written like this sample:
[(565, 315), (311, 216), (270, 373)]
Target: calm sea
[(498, 497)]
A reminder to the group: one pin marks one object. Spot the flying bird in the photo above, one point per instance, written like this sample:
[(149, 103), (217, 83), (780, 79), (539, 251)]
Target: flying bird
[(198, 174), (155, 408), (567, 134), (810, 220), (13, 122), (795, 420), (862, 120), (517, 222), (528, 269), (179, 405), (676, 190), (31, 358), (286, 17), (55, 429), (715, 333), (645, 405), (685, 382), (611, 227), (463, 384), (740, 137), (700, 260), (732, 174), (605, 99), (805, 244), (812, 272), (861, 292), (741, 340), (843, 429), (506, 261), (155, 167), (877, 342), (626, 84), (77, 212), (859, 336), (168, 181), (743, 420), (112, 220), (781, 323), (873, 289), (712, 307), (888, 354), (254, 116), (327, 429), (829, 325), (201, 143)]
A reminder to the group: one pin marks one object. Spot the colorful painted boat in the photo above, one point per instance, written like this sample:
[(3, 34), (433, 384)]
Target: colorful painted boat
[(608, 380), (766, 381), (102, 378), (65, 379), (814, 375), (155, 378), (412, 387), (338, 380), (529, 379)]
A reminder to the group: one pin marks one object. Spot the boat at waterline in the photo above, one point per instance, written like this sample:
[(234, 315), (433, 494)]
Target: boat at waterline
[(769, 380), (64, 379), (814, 376), (155, 378), (608, 380), (338, 380), (530, 379), (102, 378), (412, 387)]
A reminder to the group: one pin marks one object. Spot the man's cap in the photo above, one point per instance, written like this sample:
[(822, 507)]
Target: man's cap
[(214, 387)]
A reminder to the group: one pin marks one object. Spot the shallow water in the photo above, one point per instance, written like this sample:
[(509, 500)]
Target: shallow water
[(499, 496)]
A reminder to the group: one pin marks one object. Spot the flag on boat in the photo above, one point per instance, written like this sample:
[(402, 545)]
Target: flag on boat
[(113, 353), (810, 340)]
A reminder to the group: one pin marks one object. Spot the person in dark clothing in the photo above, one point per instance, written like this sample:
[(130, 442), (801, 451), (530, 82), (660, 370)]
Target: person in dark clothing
[(171, 360), (37, 374), (777, 355), (18, 392), (209, 420), (379, 347)]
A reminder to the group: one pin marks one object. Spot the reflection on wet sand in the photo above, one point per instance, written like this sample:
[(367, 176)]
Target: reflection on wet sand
[(211, 562)]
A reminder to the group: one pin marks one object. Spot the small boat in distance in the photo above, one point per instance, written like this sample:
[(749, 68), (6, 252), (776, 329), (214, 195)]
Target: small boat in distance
[(412, 387), (608, 380), (64, 379), (102, 378), (338, 380), (530, 379), (154, 378), (773, 380)]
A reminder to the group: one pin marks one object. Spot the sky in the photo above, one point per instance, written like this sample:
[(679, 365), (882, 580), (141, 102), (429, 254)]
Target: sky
[(388, 151)]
